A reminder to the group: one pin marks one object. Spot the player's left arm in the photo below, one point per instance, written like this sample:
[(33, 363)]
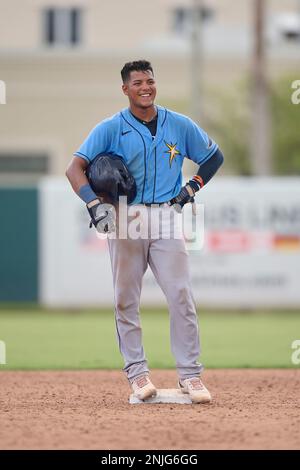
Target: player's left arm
[(204, 151), (206, 171)]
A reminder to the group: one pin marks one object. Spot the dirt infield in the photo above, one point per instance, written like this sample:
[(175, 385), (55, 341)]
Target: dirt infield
[(252, 409)]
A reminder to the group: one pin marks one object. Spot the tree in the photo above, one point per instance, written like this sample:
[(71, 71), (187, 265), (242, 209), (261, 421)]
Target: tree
[(231, 128)]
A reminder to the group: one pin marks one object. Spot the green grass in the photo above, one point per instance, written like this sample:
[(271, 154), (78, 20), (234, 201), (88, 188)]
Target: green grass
[(41, 339)]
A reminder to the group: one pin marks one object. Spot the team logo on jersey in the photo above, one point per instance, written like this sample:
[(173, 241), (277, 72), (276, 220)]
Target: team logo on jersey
[(172, 152)]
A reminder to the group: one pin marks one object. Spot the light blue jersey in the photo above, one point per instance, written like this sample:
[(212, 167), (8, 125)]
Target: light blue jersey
[(155, 163)]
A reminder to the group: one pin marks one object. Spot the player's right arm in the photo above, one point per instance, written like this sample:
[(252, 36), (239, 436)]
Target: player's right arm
[(101, 215), (75, 173)]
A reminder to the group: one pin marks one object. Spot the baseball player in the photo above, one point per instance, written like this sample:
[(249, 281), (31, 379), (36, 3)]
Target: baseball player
[(153, 142)]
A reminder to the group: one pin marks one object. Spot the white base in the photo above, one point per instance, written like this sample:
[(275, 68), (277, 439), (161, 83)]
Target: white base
[(164, 395)]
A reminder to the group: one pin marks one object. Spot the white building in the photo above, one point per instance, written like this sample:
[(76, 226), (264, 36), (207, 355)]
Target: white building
[(61, 61)]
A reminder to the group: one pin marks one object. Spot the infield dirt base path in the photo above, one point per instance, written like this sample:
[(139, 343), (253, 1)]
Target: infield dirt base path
[(251, 409)]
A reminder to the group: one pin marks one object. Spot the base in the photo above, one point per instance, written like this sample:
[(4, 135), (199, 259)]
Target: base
[(164, 395)]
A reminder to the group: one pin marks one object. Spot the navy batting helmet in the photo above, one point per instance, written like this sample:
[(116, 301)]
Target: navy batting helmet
[(109, 176)]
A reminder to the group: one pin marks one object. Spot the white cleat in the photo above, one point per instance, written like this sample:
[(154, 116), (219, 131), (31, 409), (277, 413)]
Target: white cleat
[(196, 390), (143, 388)]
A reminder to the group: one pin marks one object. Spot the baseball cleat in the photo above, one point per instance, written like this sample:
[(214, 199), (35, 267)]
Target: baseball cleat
[(143, 388), (196, 390)]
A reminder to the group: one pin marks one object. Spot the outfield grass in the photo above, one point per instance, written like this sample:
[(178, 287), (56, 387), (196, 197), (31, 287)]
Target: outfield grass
[(39, 339)]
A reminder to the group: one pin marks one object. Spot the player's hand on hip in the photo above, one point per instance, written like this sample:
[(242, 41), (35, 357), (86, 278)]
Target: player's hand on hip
[(103, 216), (186, 195)]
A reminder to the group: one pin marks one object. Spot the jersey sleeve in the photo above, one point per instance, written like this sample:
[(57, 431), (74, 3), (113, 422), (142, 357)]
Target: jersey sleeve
[(200, 147), (96, 142)]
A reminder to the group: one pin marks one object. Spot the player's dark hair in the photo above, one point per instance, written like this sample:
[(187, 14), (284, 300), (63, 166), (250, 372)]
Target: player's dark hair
[(135, 66)]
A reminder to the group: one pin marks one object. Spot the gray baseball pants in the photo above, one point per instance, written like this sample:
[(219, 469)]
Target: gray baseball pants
[(168, 260)]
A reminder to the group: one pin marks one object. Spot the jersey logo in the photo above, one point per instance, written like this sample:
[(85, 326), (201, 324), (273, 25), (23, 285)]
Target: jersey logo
[(172, 152), (125, 132)]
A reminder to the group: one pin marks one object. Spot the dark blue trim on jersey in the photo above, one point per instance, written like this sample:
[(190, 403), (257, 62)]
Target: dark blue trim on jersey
[(213, 151), (166, 112), (145, 153), (78, 154), (154, 174), (211, 154)]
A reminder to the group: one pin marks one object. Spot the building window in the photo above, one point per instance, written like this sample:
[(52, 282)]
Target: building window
[(23, 164), (182, 18), (62, 26)]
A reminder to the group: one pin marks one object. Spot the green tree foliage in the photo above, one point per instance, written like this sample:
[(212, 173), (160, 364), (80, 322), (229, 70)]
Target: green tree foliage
[(231, 126), (286, 129)]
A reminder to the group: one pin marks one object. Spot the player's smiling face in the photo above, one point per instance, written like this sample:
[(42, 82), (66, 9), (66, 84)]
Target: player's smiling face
[(141, 90)]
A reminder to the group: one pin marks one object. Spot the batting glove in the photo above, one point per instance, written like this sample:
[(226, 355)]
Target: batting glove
[(103, 216), (186, 195)]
